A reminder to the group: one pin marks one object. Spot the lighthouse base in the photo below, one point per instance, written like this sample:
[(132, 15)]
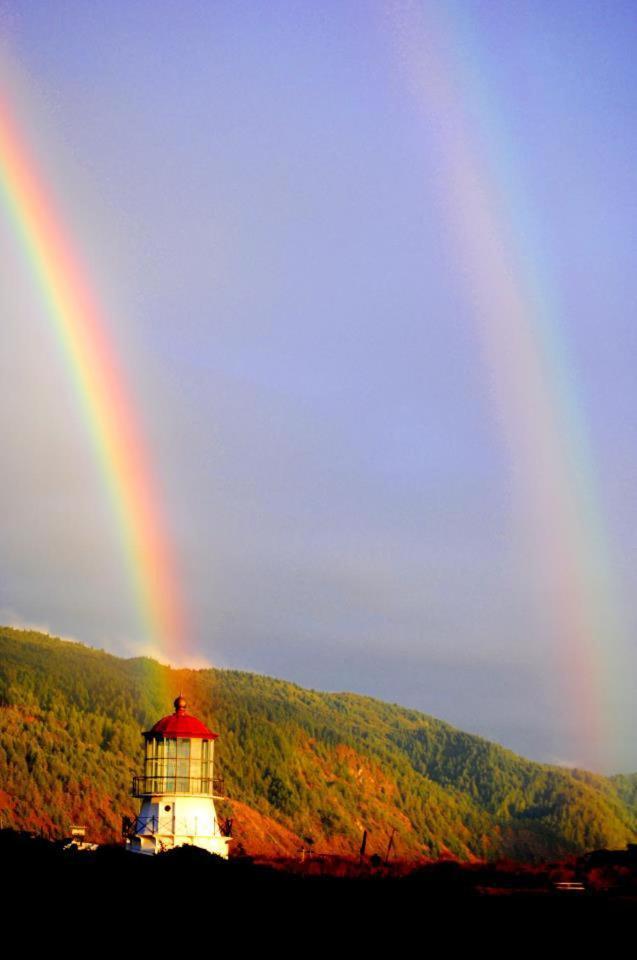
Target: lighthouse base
[(160, 844), (167, 822)]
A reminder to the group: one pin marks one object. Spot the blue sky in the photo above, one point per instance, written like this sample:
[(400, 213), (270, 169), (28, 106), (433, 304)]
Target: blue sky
[(255, 190)]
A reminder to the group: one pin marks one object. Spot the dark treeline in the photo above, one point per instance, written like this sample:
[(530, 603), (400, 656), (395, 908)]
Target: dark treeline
[(366, 896)]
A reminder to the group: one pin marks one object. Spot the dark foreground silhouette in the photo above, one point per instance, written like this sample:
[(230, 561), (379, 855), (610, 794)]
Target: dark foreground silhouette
[(110, 877)]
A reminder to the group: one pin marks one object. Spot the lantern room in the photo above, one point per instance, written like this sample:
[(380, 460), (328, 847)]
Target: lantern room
[(177, 788)]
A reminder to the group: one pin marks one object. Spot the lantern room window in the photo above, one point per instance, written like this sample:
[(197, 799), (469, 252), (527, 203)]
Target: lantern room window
[(176, 765)]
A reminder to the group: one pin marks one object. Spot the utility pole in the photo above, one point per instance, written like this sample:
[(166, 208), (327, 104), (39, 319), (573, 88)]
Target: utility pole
[(390, 845)]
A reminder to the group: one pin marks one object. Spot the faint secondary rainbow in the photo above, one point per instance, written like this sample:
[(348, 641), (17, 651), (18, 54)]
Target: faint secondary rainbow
[(508, 283), (81, 328)]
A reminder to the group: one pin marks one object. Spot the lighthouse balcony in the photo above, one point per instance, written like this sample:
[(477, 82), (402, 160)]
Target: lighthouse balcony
[(194, 786)]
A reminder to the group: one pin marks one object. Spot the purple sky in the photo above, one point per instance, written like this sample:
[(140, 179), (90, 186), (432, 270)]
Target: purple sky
[(253, 188)]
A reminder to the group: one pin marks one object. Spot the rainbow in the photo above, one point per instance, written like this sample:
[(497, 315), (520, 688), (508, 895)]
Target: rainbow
[(508, 285), (81, 329)]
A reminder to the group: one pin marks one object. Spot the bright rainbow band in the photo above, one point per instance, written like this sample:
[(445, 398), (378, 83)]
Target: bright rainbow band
[(82, 333)]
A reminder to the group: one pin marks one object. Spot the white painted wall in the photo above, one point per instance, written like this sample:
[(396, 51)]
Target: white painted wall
[(190, 820)]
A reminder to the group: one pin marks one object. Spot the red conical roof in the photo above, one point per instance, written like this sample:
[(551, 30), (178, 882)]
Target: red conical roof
[(181, 724)]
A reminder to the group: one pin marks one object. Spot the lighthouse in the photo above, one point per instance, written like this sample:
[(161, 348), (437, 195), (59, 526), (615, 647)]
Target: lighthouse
[(177, 789)]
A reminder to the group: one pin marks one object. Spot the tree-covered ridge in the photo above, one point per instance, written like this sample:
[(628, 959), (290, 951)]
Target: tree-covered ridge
[(625, 785), (321, 766)]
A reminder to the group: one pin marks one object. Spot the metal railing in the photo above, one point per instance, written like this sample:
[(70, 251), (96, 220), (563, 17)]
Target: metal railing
[(150, 826), (194, 786)]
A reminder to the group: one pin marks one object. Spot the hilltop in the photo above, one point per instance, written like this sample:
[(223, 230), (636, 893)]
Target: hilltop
[(302, 768)]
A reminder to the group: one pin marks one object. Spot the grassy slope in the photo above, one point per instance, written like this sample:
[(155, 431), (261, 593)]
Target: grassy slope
[(311, 767)]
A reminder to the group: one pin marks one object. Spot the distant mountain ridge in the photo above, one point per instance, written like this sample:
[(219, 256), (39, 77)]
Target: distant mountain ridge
[(302, 768)]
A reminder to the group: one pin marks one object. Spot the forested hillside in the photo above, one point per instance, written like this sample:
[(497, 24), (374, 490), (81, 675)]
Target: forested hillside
[(302, 768)]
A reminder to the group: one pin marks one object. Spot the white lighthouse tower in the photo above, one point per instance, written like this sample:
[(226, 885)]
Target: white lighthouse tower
[(177, 789)]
